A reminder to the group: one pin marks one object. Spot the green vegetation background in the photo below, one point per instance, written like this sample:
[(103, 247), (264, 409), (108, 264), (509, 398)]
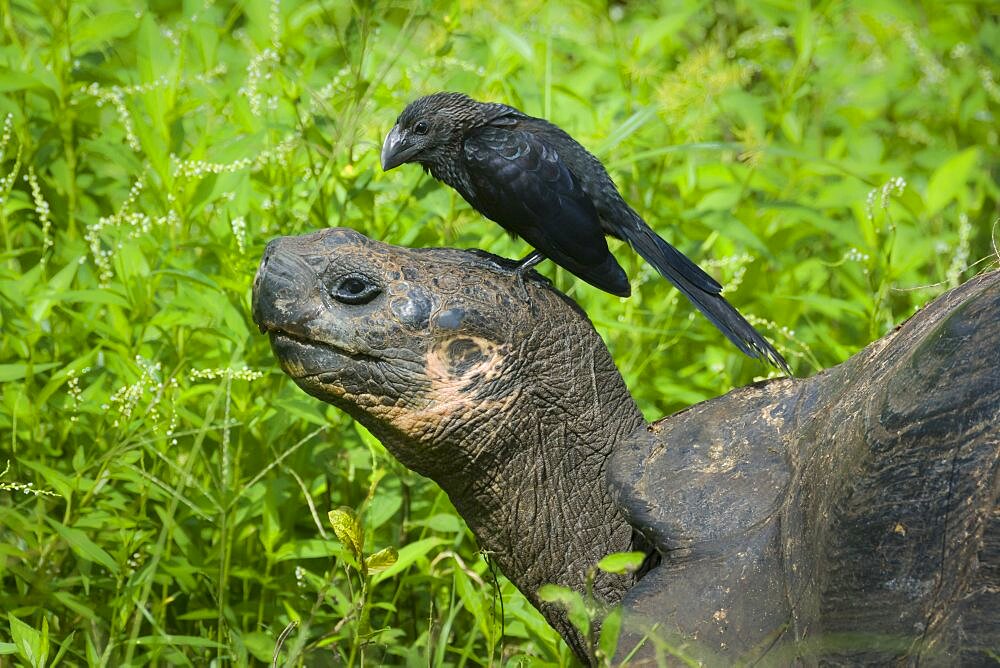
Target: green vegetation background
[(166, 500)]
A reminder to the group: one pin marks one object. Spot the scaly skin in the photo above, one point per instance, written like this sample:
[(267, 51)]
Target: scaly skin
[(847, 518), (454, 392)]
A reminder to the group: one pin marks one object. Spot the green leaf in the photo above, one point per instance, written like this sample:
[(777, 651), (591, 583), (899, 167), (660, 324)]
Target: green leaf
[(203, 613), (444, 523), (381, 560), (805, 37), (153, 51), (93, 658), (7, 648), (949, 179), (624, 130), (311, 548), (9, 372), (61, 281), (721, 199), (474, 600), (260, 645), (60, 482), (564, 596), (184, 641), (348, 529), (791, 125), (621, 562), (12, 80), (516, 41), (95, 296), (83, 547), (63, 648), (610, 629), (90, 33), (75, 604), (32, 645), (382, 507)]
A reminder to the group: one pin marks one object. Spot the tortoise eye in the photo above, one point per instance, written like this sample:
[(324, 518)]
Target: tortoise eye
[(420, 128), (355, 289)]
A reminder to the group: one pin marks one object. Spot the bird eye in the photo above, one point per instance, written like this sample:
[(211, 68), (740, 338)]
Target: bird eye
[(355, 289), (420, 128)]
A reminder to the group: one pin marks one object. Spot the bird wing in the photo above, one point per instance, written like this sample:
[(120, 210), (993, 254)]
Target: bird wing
[(519, 181), (619, 220)]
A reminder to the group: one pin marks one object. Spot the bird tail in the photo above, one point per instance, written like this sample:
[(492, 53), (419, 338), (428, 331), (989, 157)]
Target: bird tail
[(703, 291)]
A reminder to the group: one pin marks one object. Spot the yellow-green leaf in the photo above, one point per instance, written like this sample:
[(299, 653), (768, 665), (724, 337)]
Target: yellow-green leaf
[(408, 554), (621, 562), (381, 560), (348, 529)]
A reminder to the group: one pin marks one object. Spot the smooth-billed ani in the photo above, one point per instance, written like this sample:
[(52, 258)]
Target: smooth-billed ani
[(540, 184)]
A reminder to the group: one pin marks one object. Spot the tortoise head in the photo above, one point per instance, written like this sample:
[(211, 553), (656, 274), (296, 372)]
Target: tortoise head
[(430, 349), (499, 391)]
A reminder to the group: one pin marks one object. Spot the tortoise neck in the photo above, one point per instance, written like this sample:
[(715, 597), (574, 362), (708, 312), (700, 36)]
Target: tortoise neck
[(546, 513), (538, 502)]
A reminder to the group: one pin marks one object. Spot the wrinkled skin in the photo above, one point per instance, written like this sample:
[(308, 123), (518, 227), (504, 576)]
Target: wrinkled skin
[(447, 366), (846, 518)]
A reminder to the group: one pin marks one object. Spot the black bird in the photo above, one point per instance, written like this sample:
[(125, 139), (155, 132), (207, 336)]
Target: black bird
[(540, 184)]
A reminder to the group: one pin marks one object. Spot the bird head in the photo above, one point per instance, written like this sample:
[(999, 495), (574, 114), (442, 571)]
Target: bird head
[(427, 128)]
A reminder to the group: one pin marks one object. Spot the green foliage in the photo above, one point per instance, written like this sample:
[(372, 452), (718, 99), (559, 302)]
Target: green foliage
[(597, 623), (32, 645), (621, 562), (601, 624), (835, 166)]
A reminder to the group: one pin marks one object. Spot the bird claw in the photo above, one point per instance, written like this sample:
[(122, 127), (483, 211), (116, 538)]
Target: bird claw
[(522, 268), (519, 268), (521, 286)]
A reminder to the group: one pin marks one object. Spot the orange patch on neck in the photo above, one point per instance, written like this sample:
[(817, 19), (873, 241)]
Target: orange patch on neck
[(456, 368)]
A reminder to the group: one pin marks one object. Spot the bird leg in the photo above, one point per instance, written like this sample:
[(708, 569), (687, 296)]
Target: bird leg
[(529, 262), (523, 267)]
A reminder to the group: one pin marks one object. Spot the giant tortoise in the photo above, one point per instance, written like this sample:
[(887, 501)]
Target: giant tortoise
[(850, 517)]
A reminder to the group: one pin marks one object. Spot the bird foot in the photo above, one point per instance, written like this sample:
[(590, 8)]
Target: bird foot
[(522, 289), (519, 268)]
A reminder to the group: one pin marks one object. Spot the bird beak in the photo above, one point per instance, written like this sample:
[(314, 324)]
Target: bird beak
[(397, 149)]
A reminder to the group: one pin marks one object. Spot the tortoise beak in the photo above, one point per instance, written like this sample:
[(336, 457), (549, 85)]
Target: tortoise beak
[(397, 149)]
